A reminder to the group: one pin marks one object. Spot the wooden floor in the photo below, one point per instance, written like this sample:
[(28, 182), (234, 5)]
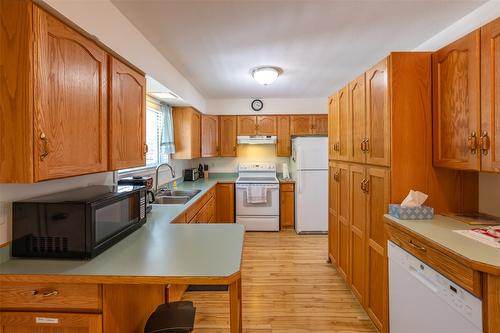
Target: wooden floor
[(287, 287)]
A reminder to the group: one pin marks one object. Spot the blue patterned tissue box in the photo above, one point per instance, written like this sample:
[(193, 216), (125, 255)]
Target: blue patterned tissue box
[(411, 213)]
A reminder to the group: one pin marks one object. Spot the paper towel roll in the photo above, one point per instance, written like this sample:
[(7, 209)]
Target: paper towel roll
[(286, 174)]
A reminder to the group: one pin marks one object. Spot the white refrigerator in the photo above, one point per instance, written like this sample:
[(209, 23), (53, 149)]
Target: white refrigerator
[(309, 169)]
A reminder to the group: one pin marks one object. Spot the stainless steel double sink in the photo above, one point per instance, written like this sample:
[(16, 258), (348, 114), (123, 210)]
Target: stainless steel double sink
[(174, 197)]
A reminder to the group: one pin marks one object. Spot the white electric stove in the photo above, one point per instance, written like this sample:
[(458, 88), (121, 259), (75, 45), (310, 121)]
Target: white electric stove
[(262, 216)]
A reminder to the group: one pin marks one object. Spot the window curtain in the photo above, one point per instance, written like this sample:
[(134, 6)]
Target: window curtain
[(167, 145)]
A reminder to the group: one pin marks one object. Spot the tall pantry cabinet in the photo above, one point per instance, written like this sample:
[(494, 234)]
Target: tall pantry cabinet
[(380, 131)]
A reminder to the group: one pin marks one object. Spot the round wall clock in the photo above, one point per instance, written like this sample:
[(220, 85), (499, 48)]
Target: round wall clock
[(257, 105)]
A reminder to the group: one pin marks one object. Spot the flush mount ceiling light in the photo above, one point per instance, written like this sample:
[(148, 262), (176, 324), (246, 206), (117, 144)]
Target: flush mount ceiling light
[(164, 95), (266, 75)]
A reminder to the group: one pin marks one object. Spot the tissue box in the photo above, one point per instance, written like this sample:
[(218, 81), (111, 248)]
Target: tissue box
[(411, 213)]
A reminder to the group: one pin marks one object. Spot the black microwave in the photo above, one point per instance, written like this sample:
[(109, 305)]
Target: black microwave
[(76, 224)]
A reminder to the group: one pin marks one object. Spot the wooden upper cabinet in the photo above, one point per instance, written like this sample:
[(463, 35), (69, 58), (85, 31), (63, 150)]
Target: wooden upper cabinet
[(227, 135), (378, 117), (357, 119), (127, 115), (187, 136), (209, 135), (456, 103), (266, 125), (489, 141), (301, 125), (333, 111), (343, 143), (70, 90), (320, 124), (247, 125), (283, 140)]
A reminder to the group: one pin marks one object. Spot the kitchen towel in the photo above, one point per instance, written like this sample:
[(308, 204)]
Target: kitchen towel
[(256, 194)]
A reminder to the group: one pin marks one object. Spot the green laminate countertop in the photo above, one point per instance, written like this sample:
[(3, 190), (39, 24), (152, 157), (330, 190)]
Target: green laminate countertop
[(158, 251), (440, 230)]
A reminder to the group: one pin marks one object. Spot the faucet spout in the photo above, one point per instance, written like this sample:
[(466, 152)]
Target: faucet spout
[(157, 172)]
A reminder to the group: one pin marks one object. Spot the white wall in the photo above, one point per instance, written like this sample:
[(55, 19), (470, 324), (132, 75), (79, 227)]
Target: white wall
[(271, 106), (102, 19)]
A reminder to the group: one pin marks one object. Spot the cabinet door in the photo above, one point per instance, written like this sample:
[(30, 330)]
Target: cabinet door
[(266, 125), (227, 135), (333, 127), (195, 134), (287, 206), (357, 220), (456, 103), (343, 143), (333, 212), (378, 192), (301, 125), (47, 322), (247, 125), (127, 117), (70, 94), (378, 118), (490, 97), (225, 203), (357, 119), (344, 262), (209, 136), (283, 143), (320, 124)]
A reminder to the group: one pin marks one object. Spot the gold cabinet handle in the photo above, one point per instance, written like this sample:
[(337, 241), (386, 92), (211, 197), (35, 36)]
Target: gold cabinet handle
[(146, 149), (363, 145), (367, 145), (484, 143), (45, 146), (416, 246), (472, 143), (364, 185), (336, 146), (336, 176), (45, 293)]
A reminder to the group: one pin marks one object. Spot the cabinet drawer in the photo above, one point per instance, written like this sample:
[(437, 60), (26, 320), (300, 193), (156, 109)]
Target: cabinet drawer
[(286, 187), (16, 295), (195, 208), (451, 268)]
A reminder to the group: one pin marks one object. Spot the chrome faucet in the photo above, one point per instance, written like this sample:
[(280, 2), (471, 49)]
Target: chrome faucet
[(157, 171)]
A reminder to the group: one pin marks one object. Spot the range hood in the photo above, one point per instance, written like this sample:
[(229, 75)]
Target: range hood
[(257, 140)]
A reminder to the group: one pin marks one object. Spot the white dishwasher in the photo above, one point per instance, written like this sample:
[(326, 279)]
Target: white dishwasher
[(423, 300)]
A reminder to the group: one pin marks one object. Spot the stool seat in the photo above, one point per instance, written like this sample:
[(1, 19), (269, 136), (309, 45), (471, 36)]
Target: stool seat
[(175, 317)]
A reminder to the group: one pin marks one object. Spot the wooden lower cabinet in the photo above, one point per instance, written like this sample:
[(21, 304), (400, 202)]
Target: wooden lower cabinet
[(357, 224), (339, 199), (359, 197), (49, 322), (378, 198), (287, 205), (225, 203)]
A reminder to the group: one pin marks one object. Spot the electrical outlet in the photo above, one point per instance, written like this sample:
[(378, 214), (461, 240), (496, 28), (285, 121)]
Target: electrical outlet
[(4, 208)]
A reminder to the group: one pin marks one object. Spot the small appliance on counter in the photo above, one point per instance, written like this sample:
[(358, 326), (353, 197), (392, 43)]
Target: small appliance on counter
[(191, 174), (76, 224), (141, 181)]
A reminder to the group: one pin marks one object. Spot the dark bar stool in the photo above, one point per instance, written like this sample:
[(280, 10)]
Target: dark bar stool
[(175, 317)]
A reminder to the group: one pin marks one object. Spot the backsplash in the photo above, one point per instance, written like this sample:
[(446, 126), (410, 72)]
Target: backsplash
[(14, 192), (246, 153), (489, 193)]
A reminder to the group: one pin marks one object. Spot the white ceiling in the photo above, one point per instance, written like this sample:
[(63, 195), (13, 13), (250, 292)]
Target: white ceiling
[(320, 44)]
